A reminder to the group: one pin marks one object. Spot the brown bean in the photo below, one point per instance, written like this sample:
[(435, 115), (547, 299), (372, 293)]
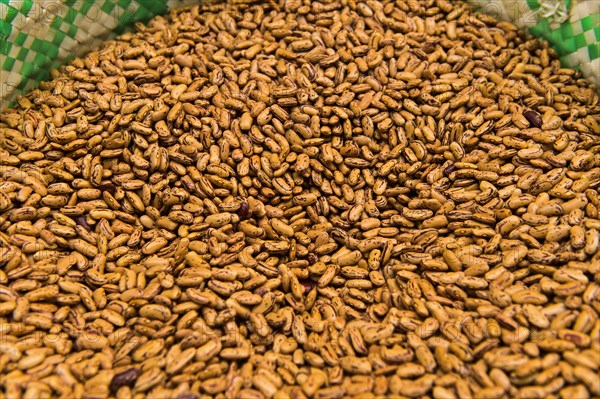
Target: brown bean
[(303, 199)]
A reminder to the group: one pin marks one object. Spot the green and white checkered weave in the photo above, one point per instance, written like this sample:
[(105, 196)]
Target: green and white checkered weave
[(39, 35), (572, 27)]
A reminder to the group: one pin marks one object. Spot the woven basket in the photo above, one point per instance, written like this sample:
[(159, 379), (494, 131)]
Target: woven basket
[(39, 35), (572, 27)]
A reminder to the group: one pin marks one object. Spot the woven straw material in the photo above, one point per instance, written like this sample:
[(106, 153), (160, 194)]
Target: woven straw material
[(39, 35), (572, 27)]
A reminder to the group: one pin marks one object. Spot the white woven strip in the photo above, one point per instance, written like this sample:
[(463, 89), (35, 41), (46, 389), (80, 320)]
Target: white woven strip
[(583, 8), (555, 11), (590, 70)]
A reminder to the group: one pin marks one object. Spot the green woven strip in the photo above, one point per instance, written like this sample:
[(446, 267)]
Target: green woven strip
[(533, 5)]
